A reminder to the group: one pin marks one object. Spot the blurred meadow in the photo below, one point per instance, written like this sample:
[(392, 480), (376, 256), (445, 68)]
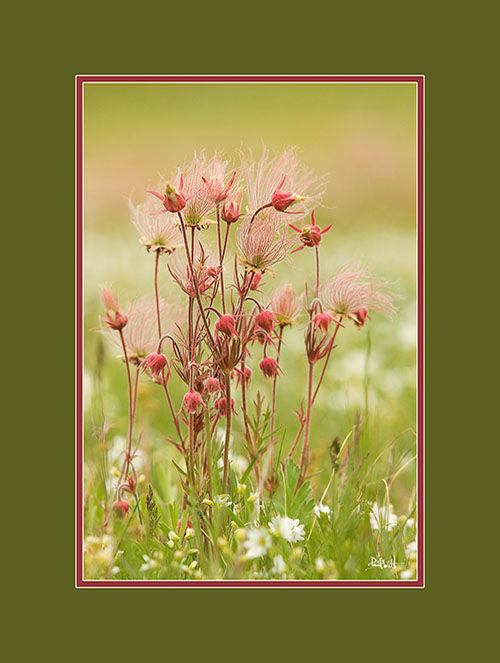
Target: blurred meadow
[(362, 138)]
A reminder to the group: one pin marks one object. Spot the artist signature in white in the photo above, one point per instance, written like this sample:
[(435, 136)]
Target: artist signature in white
[(379, 563)]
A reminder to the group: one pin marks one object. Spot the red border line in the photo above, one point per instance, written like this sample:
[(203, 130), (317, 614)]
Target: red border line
[(80, 79)]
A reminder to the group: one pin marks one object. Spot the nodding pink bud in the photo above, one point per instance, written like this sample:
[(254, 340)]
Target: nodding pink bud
[(121, 507), (192, 400), (243, 376), (225, 325), (156, 362), (282, 199), (174, 200), (322, 321), (231, 212), (221, 406), (211, 385), (254, 285), (361, 316), (265, 320), (270, 367), (132, 483), (188, 524), (116, 320)]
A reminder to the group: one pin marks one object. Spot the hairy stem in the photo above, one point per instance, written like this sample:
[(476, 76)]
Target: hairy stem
[(228, 431), (157, 299)]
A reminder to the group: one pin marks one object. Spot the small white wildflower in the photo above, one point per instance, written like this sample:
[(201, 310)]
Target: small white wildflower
[(222, 500), (115, 570), (279, 565), (149, 563), (322, 508), (411, 548), (380, 518), (290, 530), (320, 565), (257, 543), (189, 533)]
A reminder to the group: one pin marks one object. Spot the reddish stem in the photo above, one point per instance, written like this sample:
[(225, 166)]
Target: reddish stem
[(157, 299)]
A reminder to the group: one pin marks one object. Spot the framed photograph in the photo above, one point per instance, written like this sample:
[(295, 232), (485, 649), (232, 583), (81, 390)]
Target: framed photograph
[(250, 331)]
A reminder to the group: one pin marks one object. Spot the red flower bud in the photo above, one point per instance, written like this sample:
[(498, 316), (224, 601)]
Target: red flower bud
[(116, 320), (361, 316), (282, 199), (192, 400), (211, 385), (270, 367), (322, 320), (265, 320), (155, 362), (225, 325), (231, 212), (221, 406), (121, 507)]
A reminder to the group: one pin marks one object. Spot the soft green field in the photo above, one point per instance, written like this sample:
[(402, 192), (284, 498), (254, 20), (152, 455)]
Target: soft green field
[(362, 137)]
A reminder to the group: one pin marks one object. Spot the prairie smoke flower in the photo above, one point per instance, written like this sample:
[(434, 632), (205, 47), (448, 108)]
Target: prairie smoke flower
[(265, 320), (211, 385), (288, 529), (270, 367), (115, 319), (285, 305), (215, 177), (353, 293), (263, 242), (322, 321), (205, 265), (192, 400), (141, 333), (199, 193), (258, 542), (225, 325), (221, 406), (265, 177), (158, 231), (121, 507), (231, 211), (156, 362), (173, 199), (310, 235)]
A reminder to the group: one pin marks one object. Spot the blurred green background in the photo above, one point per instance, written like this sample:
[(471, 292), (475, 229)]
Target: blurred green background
[(363, 138)]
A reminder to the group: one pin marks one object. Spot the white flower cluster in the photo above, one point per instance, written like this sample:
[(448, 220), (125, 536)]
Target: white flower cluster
[(258, 539)]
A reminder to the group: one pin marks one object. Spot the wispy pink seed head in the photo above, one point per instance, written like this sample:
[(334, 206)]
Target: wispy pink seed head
[(266, 176), (158, 230), (353, 293), (285, 305)]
